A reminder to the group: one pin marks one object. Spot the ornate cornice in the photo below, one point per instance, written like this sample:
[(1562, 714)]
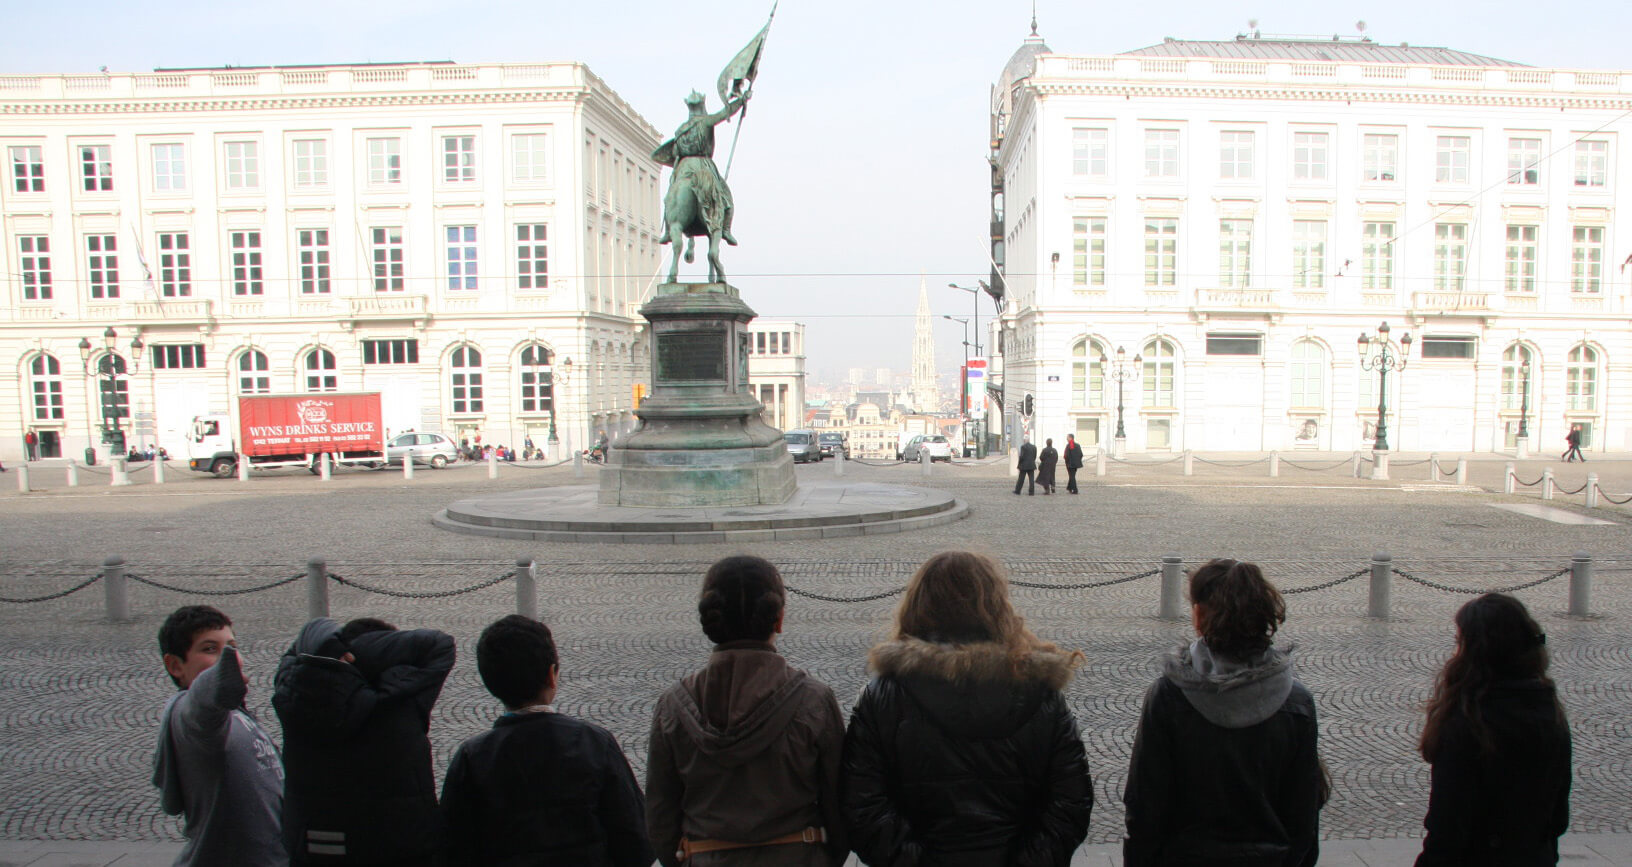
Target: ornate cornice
[(286, 103), (1284, 93)]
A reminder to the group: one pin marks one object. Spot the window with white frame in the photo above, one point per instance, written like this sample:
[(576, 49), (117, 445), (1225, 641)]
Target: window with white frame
[(458, 159), (390, 351), (243, 160), (386, 251), (530, 157), (1090, 152), (1235, 155), (1591, 163), (1379, 157), (320, 371), (1310, 152), (1377, 257), (169, 167), (178, 356), (45, 386), (1458, 346), (1087, 374), (532, 256), (1308, 254), (102, 265), (461, 256), (465, 379), (1524, 161), (34, 259), (253, 375), (1159, 374), (246, 263), (1452, 156), (1088, 252), (1161, 251), (1234, 253), (537, 384), (27, 169), (1580, 378), (1522, 249), (311, 163), (384, 161), (175, 265), (1450, 256), (1514, 361), (314, 260), (1587, 260), (1161, 153), (96, 168), (1308, 375)]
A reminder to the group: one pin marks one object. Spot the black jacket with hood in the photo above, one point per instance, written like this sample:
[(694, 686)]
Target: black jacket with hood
[(957, 756), (359, 787), (1224, 770)]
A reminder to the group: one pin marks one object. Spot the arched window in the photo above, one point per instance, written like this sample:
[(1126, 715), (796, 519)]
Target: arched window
[(252, 373), (1159, 373), (1308, 375), (45, 383), (537, 386), (1581, 378), (115, 390), (320, 375), (466, 379), (1514, 360), (1087, 374)]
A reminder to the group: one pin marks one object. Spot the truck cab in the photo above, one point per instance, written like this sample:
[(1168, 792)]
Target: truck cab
[(210, 446)]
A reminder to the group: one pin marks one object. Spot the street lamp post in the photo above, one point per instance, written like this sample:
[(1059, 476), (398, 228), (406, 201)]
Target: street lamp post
[(1377, 353), (1122, 374), (558, 379), (963, 381), (1524, 410), (107, 371), (980, 435)]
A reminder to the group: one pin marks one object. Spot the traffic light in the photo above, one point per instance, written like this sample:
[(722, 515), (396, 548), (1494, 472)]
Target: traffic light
[(640, 392)]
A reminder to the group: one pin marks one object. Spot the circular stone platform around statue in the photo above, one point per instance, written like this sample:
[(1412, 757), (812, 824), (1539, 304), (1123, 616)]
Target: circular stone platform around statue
[(820, 510)]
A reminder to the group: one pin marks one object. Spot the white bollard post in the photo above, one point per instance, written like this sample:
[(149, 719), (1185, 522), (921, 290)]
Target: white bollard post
[(22, 478), (577, 464), (1381, 575), (1172, 588), (1274, 465), (323, 470), (838, 462), (1014, 463), (317, 588), (158, 471), (407, 467), (1507, 479), (1461, 471), (1379, 466), (115, 589), (493, 465), (121, 472), (73, 474), (1592, 490), (526, 588), (243, 468), (1580, 584), (1189, 462), (1356, 467), (1547, 484), (924, 461), (1433, 467), (1099, 463)]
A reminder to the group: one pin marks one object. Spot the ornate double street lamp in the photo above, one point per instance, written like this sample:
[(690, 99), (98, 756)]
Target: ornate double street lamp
[(1377, 353), (978, 423), (109, 366), (1524, 409), (559, 377), (1122, 373)]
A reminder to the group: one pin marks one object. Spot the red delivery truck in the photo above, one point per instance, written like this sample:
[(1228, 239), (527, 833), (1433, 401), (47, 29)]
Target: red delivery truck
[(284, 430)]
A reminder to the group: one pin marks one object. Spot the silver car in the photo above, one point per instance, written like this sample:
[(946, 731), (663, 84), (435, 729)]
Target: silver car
[(802, 445), (432, 449)]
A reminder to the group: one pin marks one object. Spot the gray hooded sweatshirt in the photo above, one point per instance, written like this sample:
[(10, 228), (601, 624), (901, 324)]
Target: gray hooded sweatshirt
[(1228, 693), (215, 764)]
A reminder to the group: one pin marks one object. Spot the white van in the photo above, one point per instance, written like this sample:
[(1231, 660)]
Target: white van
[(803, 445)]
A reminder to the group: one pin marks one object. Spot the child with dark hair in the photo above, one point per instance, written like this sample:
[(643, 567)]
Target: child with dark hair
[(214, 763), (1498, 742), (1224, 767), (541, 787), (355, 702), (746, 752)]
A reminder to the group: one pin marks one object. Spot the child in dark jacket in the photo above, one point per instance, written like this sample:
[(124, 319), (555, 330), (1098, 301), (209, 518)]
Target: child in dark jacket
[(541, 787)]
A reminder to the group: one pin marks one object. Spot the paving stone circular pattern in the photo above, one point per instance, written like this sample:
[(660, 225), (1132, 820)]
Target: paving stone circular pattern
[(79, 697)]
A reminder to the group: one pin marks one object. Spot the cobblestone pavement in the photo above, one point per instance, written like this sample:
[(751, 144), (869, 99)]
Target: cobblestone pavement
[(79, 697)]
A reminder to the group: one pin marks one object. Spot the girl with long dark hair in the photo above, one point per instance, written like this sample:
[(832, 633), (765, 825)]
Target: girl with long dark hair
[(1499, 745)]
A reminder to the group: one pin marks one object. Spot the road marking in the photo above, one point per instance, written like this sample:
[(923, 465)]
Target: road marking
[(1548, 513)]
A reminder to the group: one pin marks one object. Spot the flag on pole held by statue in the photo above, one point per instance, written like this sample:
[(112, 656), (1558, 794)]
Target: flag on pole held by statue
[(745, 66)]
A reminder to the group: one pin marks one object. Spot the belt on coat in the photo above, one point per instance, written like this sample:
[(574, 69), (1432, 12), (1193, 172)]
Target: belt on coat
[(689, 847)]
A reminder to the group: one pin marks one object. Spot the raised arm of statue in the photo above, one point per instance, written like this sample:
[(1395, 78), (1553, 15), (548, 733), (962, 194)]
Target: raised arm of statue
[(732, 106)]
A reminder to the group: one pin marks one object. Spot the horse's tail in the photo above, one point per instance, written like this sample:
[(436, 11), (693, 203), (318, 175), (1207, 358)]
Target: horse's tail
[(691, 243)]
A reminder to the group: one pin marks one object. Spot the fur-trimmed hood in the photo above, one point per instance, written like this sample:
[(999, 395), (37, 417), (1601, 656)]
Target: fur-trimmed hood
[(973, 689)]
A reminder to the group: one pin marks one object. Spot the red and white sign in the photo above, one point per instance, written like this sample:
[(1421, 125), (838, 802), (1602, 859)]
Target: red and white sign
[(286, 424)]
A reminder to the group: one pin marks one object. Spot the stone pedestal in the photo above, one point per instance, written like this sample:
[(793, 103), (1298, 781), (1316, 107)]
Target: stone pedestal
[(701, 441)]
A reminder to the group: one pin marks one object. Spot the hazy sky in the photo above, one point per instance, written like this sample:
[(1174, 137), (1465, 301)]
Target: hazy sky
[(862, 162)]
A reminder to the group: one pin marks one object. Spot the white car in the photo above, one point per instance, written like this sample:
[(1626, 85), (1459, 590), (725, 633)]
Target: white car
[(934, 445), (432, 449)]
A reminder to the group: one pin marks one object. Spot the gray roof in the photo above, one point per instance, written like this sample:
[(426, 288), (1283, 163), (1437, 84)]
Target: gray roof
[(1318, 50)]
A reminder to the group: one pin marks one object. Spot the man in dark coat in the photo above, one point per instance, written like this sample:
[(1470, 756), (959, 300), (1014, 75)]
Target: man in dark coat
[(1073, 462), (1027, 467), (355, 703), (1046, 462), (1573, 440)]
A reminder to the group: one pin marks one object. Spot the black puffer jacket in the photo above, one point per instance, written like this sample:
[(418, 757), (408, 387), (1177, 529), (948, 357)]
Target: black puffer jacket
[(358, 786), (952, 759)]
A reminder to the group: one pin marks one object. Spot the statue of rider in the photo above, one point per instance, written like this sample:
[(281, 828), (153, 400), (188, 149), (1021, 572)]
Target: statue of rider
[(691, 154)]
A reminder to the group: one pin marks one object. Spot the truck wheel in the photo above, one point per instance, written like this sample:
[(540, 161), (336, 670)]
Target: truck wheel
[(224, 468), (439, 462)]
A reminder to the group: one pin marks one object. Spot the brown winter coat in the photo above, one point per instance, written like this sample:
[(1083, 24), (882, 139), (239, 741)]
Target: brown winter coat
[(746, 749)]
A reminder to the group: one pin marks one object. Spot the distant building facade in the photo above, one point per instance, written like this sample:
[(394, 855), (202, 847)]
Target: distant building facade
[(776, 370)]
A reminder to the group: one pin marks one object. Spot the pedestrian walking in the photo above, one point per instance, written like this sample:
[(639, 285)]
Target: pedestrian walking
[(1573, 440), (746, 752), (31, 444), (1046, 462), (1499, 744), (962, 750), (214, 765), (1073, 462), (1027, 467), (355, 703), (1224, 767)]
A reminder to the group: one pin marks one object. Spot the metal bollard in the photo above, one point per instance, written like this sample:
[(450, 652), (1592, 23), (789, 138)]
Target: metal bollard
[(121, 473), (526, 588), (1172, 604), (1592, 490), (1189, 463), (1580, 584), (22, 478), (1014, 463), (243, 468), (1433, 466), (158, 471), (1507, 479), (924, 460), (1274, 465), (1547, 484), (115, 589), (1099, 463), (838, 462), (1381, 575), (407, 467), (317, 588), (1379, 466), (323, 470), (1356, 468), (1461, 471), (577, 464), (73, 474), (493, 465)]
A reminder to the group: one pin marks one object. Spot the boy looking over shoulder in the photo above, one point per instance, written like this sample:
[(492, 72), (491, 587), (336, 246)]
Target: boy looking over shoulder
[(214, 763)]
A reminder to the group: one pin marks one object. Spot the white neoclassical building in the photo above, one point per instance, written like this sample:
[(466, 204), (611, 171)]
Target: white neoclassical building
[(776, 370), (448, 235), (1237, 213)]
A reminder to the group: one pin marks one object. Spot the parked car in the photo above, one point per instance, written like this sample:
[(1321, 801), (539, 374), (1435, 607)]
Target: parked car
[(833, 445), (803, 446), (432, 449), (934, 445)]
